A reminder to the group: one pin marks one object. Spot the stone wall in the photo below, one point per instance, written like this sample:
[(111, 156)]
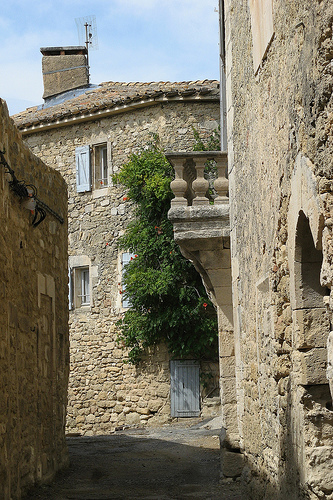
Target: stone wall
[(34, 358), (104, 392), (280, 169)]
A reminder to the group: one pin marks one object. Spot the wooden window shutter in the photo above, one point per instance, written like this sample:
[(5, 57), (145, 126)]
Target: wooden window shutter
[(83, 170)]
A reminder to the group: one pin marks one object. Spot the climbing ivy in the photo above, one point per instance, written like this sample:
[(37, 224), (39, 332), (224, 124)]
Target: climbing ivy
[(213, 142), (168, 300)]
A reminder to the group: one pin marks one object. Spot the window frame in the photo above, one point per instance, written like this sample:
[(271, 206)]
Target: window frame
[(101, 165), (84, 286), (79, 287), (93, 174), (126, 257)]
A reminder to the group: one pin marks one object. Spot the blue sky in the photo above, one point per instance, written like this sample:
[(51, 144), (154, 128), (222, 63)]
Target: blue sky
[(139, 40)]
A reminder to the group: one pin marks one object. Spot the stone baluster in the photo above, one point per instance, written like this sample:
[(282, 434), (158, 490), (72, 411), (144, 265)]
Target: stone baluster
[(200, 184), (221, 183), (178, 185)]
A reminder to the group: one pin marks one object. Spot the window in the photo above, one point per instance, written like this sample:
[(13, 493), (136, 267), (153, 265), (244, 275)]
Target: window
[(92, 167), (84, 295), (125, 259), (101, 166), (79, 287)]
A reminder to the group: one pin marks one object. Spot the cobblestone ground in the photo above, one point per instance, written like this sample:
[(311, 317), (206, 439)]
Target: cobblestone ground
[(178, 461)]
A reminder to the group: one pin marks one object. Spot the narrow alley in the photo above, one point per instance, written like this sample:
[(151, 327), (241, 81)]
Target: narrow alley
[(178, 461)]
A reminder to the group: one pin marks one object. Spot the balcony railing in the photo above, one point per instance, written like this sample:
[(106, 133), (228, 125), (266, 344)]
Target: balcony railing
[(200, 178)]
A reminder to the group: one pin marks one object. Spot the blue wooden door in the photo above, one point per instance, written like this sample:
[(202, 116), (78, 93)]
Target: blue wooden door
[(185, 388)]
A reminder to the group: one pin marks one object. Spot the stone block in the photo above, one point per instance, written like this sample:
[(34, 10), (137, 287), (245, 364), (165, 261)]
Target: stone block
[(319, 467), (163, 390), (158, 420), (132, 418), (310, 328), (226, 321), (105, 417), (227, 366), (223, 295), (220, 277), (215, 259), (228, 390), (309, 368), (262, 29), (143, 411), (154, 405), (308, 292), (229, 418)]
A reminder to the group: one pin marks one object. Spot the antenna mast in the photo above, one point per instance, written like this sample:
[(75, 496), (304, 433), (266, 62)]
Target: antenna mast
[(87, 31), (88, 37)]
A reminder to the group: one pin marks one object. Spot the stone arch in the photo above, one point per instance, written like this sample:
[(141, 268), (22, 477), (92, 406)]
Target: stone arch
[(310, 321), (304, 198), (309, 397)]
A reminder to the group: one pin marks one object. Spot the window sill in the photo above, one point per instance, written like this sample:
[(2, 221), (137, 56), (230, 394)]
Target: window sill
[(81, 309), (99, 192)]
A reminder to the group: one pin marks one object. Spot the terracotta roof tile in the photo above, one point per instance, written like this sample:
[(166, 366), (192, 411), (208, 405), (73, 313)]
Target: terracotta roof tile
[(108, 95)]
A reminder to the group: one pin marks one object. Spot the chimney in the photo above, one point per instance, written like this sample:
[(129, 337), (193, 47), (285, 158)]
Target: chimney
[(64, 68)]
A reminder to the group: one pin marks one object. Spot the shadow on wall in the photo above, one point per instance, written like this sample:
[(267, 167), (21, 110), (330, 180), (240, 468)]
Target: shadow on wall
[(304, 395)]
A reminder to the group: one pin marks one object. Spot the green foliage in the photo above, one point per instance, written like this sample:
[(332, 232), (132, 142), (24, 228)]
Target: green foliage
[(168, 299), (213, 143)]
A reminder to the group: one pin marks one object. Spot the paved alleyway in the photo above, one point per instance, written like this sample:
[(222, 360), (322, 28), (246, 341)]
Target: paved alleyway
[(179, 461)]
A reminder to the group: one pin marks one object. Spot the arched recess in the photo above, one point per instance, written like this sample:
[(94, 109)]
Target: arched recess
[(310, 320), (309, 395)]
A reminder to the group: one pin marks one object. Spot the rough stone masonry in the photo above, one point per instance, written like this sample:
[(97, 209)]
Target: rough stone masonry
[(279, 104), (105, 392), (34, 347)]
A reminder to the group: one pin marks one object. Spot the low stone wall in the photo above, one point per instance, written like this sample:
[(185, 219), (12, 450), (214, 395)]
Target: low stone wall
[(33, 322), (107, 393)]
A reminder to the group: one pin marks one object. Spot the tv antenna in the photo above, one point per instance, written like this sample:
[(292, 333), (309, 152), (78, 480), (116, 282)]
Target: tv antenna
[(87, 33)]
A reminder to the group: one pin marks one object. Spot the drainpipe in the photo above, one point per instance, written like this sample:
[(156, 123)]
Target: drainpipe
[(223, 103)]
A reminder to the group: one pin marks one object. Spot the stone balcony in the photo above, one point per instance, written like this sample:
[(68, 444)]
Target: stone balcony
[(200, 212), (200, 217)]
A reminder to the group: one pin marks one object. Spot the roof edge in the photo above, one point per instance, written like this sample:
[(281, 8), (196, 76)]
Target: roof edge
[(109, 111)]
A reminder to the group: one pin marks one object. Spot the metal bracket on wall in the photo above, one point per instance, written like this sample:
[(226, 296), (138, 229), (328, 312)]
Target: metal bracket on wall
[(28, 193)]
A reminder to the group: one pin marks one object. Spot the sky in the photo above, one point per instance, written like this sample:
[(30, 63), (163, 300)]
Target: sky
[(138, 40)]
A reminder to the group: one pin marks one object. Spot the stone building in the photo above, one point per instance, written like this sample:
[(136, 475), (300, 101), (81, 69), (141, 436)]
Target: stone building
[(34, 347), (87, 132), (276, 368)]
